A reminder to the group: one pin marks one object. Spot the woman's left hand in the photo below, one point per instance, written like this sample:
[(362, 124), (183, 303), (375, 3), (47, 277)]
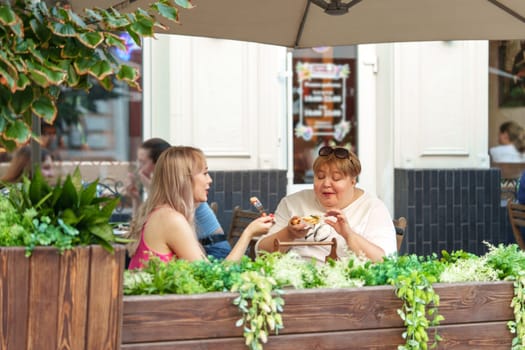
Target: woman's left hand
[(337, 220), (144, 179), (357, 243)]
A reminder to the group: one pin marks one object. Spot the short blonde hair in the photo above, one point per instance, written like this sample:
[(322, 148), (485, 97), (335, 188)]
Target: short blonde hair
[(350, 166)]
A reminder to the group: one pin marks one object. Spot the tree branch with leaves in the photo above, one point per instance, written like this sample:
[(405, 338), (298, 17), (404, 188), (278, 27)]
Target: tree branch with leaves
[(47, 48)]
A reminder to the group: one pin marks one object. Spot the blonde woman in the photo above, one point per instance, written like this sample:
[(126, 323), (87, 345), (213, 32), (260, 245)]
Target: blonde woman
[(165, 226)]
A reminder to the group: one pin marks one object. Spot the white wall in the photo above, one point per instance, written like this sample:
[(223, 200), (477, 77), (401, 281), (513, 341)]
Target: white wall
[(421, 105), (441, 104), (367, 71), (385, 125), (225, 97)]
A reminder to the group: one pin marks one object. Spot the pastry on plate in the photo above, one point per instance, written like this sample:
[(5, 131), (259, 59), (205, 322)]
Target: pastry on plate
[(309, 220)]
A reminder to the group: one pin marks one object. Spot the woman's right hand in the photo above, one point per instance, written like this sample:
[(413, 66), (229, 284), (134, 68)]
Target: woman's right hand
[(296, 228), (144, 179)]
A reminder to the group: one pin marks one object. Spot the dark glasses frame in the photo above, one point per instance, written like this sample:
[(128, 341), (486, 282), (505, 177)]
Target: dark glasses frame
[(339, 152)]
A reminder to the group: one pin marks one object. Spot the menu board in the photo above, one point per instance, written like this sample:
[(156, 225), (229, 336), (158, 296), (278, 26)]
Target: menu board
[(322, 100), (324, 111)]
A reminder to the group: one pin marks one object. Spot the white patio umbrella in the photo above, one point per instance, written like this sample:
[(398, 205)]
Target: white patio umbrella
[(308, 23)]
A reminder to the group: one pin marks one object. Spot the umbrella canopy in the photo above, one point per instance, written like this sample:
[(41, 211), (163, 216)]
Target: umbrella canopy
[(305, 23)]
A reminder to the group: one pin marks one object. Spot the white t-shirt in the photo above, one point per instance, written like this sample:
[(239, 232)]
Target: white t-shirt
[(367, 216), (506, 154)]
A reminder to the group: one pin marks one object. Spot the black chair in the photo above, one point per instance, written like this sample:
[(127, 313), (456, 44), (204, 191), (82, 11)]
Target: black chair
[(401, 225)]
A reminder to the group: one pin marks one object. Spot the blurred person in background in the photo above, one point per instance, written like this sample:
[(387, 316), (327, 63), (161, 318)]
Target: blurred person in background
[(21, 165), (511, 146), (209, 231)]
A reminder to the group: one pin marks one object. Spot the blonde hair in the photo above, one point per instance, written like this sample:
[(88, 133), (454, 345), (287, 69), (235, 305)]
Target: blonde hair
[(350, 166), (171, 185)]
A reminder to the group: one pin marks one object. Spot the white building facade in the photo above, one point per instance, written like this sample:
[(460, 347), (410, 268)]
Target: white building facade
[(420, 105)]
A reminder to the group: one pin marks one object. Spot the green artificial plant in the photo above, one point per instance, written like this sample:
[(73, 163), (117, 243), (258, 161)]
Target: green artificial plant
[(65, 215), (260, 285)]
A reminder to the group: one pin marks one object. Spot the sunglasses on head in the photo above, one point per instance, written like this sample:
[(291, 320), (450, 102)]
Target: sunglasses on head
[(339, 152)]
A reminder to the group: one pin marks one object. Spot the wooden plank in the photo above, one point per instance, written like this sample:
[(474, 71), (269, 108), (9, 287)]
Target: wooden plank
[(43, 284), (72, 298), (486, 335), (475, 302), (490, 336), (118, 278), (365, 339), (175, 317), (105, 313), (376, 307), (14, 291), (179, 317), (43, 299), (340, 309)]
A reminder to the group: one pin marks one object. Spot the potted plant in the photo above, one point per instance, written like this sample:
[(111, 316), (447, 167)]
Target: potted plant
[(60, 264), (457, 301)]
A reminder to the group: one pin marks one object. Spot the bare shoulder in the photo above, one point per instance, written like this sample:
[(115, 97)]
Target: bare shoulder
[(166, 218), (166, 213)]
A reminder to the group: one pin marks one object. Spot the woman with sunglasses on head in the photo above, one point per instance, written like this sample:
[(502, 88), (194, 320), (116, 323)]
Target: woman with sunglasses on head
[(358, 221), (164, 227)]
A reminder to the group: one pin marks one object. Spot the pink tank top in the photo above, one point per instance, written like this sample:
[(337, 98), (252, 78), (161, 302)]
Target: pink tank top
[(144, 253)]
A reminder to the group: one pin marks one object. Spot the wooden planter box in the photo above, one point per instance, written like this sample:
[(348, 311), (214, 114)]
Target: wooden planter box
[(53, 301), (357, 318)]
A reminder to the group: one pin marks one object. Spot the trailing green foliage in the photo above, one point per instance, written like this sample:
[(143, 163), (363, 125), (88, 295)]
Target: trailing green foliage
[(517, 326), (420, 303), (63, 216), (260, 304), (260, 284)]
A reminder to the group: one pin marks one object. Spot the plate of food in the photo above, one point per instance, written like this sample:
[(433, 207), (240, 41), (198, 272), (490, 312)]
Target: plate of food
[(310, 220)]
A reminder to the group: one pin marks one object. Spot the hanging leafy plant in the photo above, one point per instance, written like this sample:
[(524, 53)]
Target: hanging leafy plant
[(517, 326), (46, 49), (260, 305), (419, 310)]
